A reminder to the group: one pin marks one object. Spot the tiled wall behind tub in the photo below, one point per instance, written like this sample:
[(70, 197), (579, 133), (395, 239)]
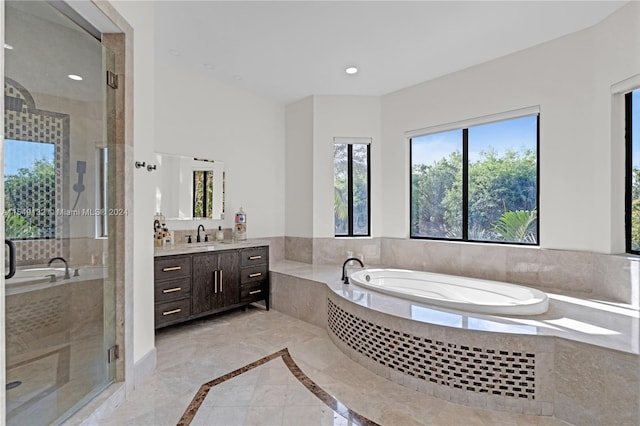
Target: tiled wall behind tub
[(612, 277)]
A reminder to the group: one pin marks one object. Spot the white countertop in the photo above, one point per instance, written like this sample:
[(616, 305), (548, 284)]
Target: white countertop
[(189, 248), (597, 322)]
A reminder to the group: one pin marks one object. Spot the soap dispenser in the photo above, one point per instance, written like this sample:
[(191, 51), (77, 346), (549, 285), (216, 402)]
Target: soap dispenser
[(219, 234)]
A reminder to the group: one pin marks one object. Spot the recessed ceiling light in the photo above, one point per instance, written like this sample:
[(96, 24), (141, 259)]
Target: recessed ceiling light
[(237, 77), (74, 77), (209, 66), (8, 46), (351, 70), (174, 52)]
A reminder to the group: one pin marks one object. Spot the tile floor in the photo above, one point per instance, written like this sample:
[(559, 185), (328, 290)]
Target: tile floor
[(194, 354)]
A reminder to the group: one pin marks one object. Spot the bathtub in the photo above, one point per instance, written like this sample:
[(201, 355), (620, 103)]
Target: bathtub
[(454, 292)]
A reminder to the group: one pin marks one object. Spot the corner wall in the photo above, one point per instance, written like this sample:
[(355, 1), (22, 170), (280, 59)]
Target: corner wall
[(137, 15)]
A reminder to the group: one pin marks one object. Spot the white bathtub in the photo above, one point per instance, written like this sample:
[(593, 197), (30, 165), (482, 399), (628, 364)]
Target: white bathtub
[(450, 291)]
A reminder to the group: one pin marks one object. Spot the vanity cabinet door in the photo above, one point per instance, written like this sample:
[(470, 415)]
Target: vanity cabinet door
[(215, 282), (229, 279)]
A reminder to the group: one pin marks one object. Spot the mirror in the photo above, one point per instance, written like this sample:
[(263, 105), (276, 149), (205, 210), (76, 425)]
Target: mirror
[(189, 188)]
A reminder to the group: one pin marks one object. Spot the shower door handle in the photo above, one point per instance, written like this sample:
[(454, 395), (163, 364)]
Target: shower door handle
[(12, 259)]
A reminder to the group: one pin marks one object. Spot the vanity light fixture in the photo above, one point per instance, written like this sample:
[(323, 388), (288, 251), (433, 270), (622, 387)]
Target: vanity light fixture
[(351, 70), (8, 46), (75, 77)]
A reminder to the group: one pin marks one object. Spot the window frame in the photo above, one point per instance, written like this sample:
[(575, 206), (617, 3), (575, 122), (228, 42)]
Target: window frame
[(464, 127), (628, 189), (349, 142)]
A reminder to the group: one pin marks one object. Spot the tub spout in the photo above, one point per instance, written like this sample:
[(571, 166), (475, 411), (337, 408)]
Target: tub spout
[(66, 266), (345, 278)]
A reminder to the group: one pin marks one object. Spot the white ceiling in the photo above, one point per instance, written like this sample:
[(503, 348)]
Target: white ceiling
[(288, 50)]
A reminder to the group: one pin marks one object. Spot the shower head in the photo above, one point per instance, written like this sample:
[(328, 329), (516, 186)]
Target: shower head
[(81, 169)]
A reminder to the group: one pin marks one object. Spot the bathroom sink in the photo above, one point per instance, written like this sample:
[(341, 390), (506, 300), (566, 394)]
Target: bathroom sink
[(209, 245)]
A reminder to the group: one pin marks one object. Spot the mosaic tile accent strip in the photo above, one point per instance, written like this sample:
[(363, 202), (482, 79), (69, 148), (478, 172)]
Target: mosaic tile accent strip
[(329, 400), (468, 368), (23, 121)]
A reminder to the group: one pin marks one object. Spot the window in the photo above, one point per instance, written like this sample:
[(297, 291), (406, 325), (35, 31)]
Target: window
[(29, 190), (202, 193), (477, 183), (352, 187), (632, 208)]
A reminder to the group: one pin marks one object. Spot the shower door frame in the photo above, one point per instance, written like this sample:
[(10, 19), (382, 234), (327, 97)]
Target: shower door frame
[(121, 251)]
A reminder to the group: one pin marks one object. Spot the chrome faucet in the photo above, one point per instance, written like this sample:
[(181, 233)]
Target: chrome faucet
[(345, 278), (66, 266), (198, 236)]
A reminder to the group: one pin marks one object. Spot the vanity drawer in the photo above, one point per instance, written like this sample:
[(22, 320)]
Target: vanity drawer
[(172, 312), (165, 291), (254, 256), (254, 273), (253, 291), (172, 267)]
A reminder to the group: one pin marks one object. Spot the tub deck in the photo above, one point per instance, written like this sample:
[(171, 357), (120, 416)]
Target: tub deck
[(579, 361), (574, 317)]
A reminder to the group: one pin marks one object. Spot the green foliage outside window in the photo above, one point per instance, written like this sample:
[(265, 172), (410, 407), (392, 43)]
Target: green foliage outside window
[(502, 197), (29, 200), (203, 193), (635, 209)]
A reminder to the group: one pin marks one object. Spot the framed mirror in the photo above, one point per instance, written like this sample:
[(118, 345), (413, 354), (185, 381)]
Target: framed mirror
[(189, 188)]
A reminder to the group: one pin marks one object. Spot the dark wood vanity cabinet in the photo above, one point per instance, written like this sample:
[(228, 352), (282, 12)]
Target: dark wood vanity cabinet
[(194, 285), (254, 275), (216, 281), (172, 290)]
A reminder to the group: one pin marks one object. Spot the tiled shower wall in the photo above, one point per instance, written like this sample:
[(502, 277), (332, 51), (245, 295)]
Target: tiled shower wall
[(612, 277), (23, 121)]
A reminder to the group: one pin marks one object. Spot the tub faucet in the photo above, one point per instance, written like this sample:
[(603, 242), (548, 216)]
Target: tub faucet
[(198, 236), (66, 266), (345, 278)]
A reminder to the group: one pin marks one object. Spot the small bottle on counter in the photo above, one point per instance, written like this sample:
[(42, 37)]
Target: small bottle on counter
[(219, 234), (241, 225)]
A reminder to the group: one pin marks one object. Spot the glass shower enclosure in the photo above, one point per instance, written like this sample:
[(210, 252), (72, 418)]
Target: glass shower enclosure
[(60, 302)]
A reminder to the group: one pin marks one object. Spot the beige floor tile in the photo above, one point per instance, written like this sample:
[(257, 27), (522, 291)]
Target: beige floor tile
[(193, 354)]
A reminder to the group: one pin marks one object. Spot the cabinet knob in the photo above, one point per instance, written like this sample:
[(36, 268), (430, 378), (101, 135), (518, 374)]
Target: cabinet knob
[(175, 311), (172, 268), (255, 292), (171, 290), (257, 274), (255, 257)]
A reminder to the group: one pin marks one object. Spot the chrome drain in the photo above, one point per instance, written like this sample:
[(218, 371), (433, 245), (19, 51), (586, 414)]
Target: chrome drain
[(13, 385)]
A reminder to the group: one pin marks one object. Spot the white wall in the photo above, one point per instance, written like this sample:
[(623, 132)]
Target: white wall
[(616, 58), (570, 79), (299, 169), (311, 125), (343, 116), (199, 116), (138, 14)]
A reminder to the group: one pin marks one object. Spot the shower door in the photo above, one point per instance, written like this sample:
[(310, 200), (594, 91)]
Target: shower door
[(60, 304)]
